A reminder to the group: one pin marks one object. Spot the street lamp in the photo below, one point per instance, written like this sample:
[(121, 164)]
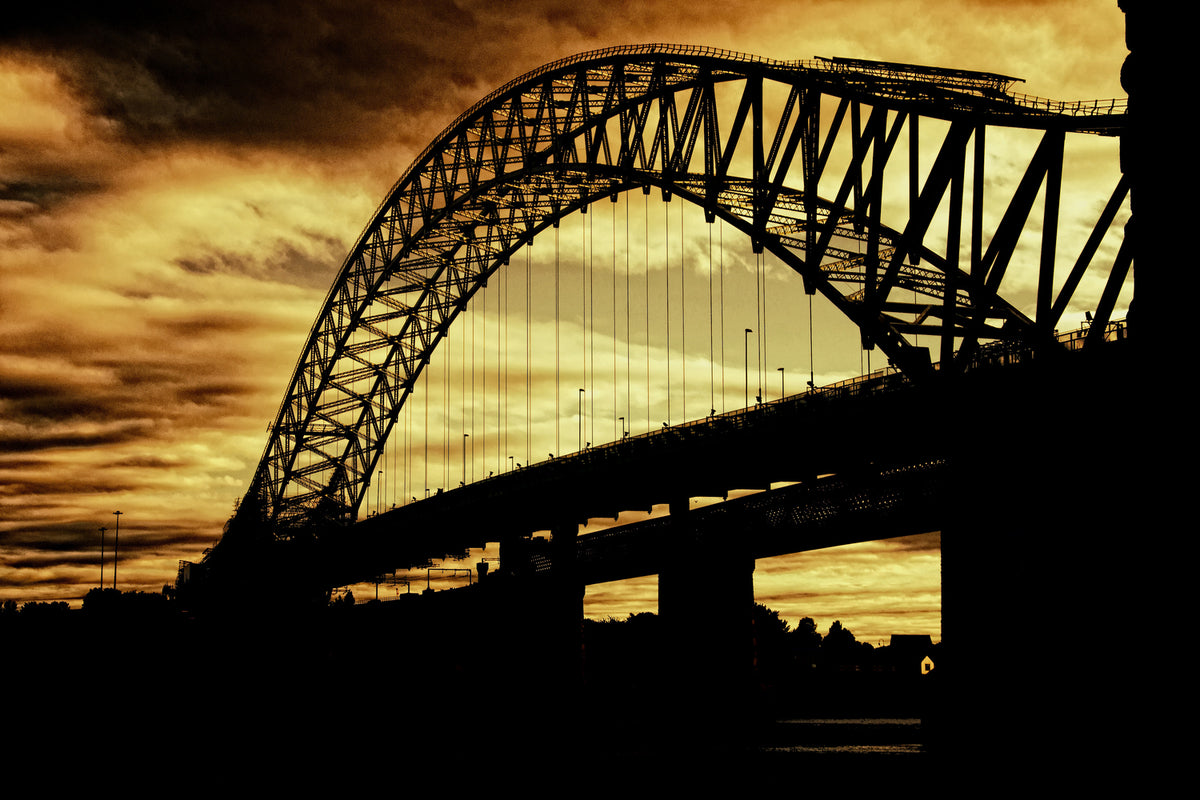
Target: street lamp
[(746, 362), (579, 444), (116, 546), (102, 530), (782, 388)]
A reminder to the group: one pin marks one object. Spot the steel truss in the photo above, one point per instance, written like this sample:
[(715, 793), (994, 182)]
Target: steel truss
[(590, 127)]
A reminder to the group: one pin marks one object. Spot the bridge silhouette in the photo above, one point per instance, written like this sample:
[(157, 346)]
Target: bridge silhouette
[(866, 180)]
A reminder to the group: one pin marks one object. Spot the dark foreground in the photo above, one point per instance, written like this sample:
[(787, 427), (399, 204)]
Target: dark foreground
[(204, 706), (281, 706)]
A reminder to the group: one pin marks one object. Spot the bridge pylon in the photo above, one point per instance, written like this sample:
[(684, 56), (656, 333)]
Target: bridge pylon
[(708, 625)]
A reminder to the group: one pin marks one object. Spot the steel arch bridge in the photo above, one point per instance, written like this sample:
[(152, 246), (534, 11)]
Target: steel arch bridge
[(693, 122)]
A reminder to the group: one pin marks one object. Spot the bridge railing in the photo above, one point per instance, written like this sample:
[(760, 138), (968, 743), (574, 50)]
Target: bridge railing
[(1072, 108), (880, 381), (1075, 340)]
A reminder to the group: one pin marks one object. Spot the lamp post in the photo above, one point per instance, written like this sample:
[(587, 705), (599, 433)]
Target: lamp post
[(746, 362), (579, 445), (102, 530), (782, 387), (116, 546)]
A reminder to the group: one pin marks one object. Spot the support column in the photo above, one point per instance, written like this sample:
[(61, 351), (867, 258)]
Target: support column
[(706, 605), (1039, 578), (537, 663), (563, 618)]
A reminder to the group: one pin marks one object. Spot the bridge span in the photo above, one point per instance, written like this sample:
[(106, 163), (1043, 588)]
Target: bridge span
[(867, 458), (1030, 453)]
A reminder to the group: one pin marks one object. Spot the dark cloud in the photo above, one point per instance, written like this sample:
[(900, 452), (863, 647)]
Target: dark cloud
[(54, 485), (216, 394), (923, 542), (96, 393), (152, 462), (256, 72), (311, 260), (32, 440), (349, 72), (319, 72), (39, 539), (203, 324), (23, 197), (145, 535)]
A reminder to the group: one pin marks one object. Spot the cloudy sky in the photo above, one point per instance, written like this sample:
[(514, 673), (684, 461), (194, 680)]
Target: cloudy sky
[(179, 185)]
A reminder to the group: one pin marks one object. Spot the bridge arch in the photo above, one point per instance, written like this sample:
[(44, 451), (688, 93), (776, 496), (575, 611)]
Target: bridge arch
[(593, 126)]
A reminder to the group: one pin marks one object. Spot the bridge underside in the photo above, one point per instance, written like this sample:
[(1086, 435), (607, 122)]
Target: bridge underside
[(876, 461), (1036, 527)]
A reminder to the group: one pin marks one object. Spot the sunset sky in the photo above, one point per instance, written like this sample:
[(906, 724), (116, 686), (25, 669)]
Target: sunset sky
[(179, 186)]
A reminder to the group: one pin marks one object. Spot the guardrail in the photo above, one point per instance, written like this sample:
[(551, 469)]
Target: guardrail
[(1073, 108), (880, 381)]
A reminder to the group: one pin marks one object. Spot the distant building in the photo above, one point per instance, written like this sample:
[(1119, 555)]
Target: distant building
[(910, 653)]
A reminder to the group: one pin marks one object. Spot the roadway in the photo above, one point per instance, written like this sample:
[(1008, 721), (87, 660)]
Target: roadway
[(877, 437)]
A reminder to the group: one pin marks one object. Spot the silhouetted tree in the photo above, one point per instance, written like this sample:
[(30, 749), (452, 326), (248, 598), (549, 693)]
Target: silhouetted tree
[(771, 651), (101, 601), (806, 644), (768, 623), (839, 637), (839, 647), (56, 610)]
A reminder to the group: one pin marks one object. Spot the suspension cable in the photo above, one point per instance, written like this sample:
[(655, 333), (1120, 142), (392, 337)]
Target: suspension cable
[(500, 395), (683, 308), (712, 382), (426, 458), (407, 449), (483, 386), (474, 394), (614, 316), (590, 427), (646, 207), (505, 292), (584, 285), (765, 325), (446, 417), (812, 378), (387, 330), (470, 318), (628, 332), (557, 342), (667, 294), (528, 348), (758, 320)]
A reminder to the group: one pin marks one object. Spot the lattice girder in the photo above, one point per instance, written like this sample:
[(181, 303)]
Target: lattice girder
[(587, 128)]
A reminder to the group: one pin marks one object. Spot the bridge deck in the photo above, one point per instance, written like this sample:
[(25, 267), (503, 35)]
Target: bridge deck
[(858, 432)]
